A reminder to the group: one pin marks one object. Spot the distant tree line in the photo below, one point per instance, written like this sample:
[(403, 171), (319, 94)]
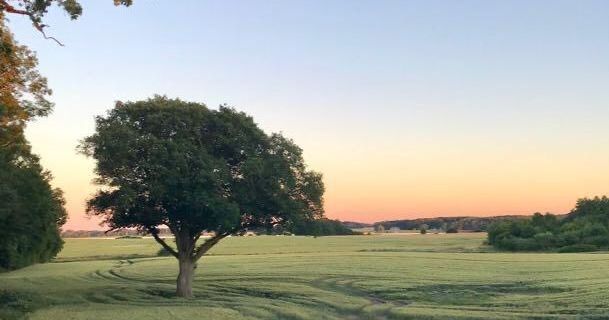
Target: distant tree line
[(585, 228), (472, 224), (356, 225), (322, 227)]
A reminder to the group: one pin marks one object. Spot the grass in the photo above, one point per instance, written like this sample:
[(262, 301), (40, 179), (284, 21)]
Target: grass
[(351, 277)]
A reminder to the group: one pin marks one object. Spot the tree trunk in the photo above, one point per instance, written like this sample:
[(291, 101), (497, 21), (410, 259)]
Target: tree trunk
[(185, 278)]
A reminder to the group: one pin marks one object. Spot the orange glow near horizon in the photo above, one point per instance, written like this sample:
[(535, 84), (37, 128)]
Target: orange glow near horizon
[(435, 182)]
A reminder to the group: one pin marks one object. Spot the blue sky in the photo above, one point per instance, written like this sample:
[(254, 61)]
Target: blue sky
[(409, 108)]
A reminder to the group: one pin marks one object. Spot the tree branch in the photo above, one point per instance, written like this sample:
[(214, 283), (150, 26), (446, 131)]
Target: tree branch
[(209, 243), (45, 35), (12, 9), (205, 246), (35, 20), (155, 235), (110, 230)]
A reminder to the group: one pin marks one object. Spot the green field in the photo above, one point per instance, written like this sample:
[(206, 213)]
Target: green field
[(351, 277)]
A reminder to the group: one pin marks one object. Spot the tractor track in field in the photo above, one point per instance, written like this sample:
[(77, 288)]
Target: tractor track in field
[(114, 274), (228, 290), (126, 289), (123, 289), (382, 307)]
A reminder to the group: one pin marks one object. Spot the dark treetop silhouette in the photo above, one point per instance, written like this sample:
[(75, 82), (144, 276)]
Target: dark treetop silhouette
[(179, 165)]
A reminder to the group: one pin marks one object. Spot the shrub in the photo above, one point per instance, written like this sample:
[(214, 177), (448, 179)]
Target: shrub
[(322, 227), (568, 238), (163, 253), (452, 230), (545, 240), (498, 231), (578, 248), (129, 237), (518, 244)]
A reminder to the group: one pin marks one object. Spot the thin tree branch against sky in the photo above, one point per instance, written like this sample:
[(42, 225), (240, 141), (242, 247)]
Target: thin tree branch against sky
[(409, 108)]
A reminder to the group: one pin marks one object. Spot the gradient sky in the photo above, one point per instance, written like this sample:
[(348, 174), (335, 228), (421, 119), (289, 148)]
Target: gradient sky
[(409, 108)]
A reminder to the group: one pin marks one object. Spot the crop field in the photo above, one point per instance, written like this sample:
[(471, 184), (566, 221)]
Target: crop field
[(351, 277)]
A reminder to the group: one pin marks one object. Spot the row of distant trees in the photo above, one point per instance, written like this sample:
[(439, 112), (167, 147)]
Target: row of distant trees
[(585, 228), (422, 228), (471, 224)]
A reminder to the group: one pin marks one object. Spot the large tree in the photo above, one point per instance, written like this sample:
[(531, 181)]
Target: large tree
[(172, 164), (31, 211)]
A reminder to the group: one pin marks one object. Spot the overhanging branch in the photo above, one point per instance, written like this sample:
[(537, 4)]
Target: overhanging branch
[(35, 20)]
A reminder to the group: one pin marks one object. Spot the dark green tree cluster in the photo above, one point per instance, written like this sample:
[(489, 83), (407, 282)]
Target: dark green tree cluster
[(585, 228), (322, 227), (167, 163), (31, 212), (475, 224)]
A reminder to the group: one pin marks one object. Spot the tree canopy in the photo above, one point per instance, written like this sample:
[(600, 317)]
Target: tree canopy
[(23, 91), (167, 163)]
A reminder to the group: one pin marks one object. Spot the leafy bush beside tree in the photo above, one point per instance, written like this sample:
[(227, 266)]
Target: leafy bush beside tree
[(585, 228)]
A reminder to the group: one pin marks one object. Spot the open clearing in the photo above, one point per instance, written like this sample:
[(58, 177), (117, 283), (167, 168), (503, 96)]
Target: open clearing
[(352, 277)]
